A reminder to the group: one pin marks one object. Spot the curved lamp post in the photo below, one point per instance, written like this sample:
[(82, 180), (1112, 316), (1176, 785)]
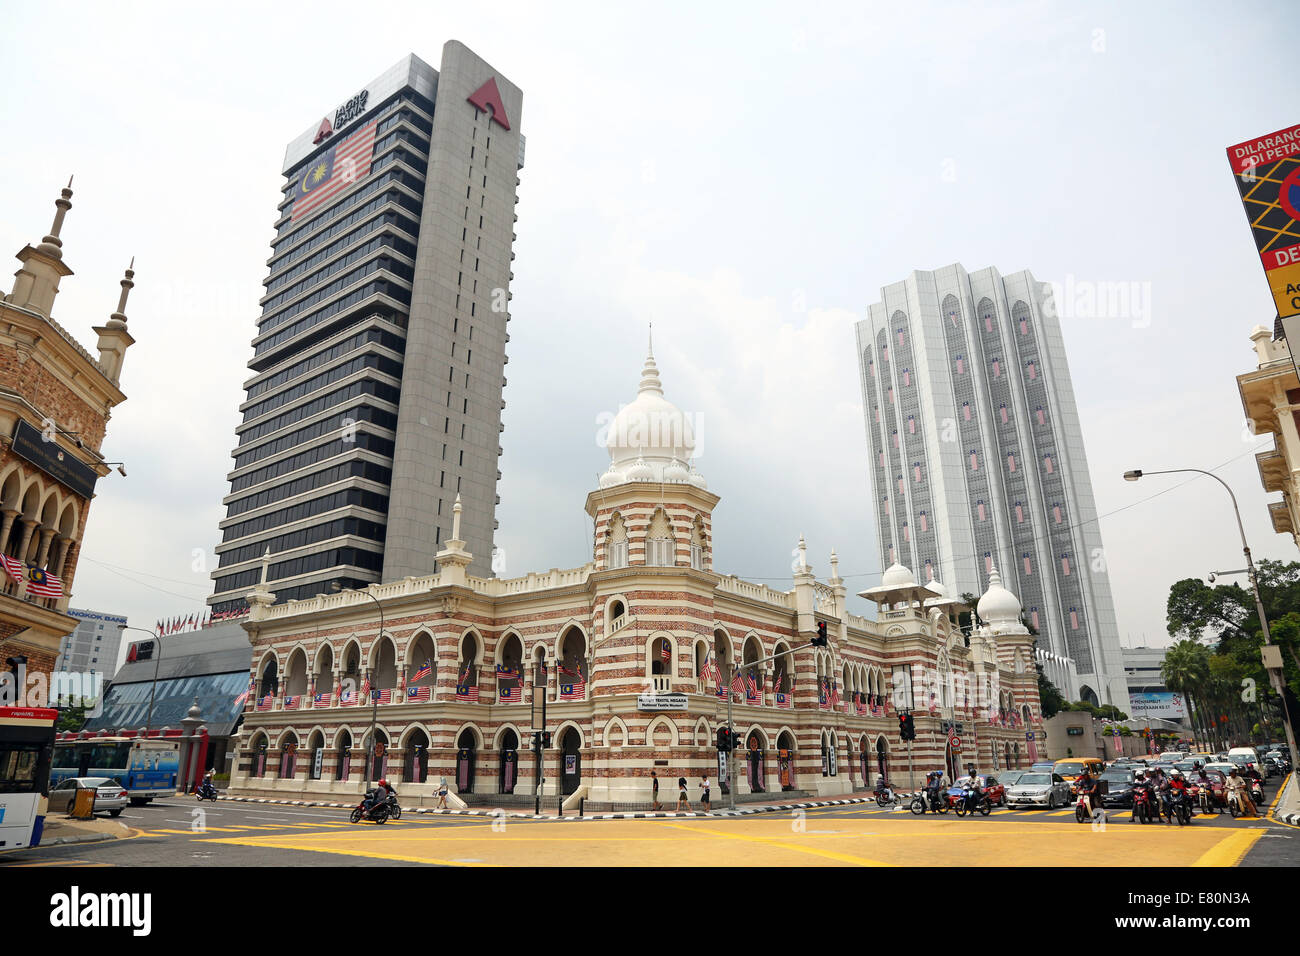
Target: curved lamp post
[(157, 659), (1275, 671)]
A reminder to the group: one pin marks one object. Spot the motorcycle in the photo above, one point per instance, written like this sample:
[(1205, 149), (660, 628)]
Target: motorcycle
[(1083, 811), (378, 812), (206, 791), (972, 803), (1203, 797), (1235, 806), (1143, 805), (394, 811), (925, 800), (1257, 791), (1177, 808)]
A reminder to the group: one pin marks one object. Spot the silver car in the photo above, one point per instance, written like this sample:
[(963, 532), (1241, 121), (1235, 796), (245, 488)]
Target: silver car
[(1036, 789), (110, 796)]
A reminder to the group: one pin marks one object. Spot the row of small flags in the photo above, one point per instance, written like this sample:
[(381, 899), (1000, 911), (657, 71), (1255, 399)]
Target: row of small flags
[(194, 622), (40, 582)]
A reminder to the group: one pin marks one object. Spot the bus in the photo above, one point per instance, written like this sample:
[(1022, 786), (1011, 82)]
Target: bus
[(26, 747), (146, 767)]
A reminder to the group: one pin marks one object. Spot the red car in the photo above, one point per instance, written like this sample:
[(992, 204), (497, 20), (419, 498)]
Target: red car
[(996, 793)]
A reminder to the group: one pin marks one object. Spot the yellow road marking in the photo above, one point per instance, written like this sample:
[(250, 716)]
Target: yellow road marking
[(1229, 851), (370, 854), (781, 844)]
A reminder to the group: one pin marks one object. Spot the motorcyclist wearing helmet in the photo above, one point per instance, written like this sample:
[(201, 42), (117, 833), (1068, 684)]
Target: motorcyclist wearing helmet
[(934, 789), (1177, 785), (972, 783), (1086, 787), (1239, 787), (378, 795)]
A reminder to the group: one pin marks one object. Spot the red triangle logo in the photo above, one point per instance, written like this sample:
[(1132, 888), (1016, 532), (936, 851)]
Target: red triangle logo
[(325, 130), (488, 95)]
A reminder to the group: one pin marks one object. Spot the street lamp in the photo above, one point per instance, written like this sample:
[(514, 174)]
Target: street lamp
[(1275, 672), (157, 659), (336, 587)]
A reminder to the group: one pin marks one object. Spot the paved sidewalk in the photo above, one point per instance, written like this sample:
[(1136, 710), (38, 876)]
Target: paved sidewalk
[(61, 829), (1288, 805), (776, 806)]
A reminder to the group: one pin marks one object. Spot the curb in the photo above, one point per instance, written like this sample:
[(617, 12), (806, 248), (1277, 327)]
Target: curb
[(1291, 818), (76, 838), (629, 815)]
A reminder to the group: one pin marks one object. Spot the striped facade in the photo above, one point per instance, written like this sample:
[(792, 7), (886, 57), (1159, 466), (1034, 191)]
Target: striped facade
[(609, 622)]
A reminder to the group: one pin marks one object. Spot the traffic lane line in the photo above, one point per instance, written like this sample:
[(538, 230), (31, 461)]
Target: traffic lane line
[(345, 851), (1232, 849)]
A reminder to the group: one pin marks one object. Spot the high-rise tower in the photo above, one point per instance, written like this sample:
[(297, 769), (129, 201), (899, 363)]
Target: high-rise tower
[(977, 457), (378, 363)]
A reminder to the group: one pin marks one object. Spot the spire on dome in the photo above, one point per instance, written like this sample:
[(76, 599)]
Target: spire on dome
[(650, 372), (119, 317), (52, 245)]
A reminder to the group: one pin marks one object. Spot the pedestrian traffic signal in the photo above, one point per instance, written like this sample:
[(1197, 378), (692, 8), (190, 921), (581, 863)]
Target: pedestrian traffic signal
[(820, 639)]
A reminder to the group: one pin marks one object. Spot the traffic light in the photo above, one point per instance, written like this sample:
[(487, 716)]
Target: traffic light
[(820, 639), (724, 739), (906, 727), (546, 739)]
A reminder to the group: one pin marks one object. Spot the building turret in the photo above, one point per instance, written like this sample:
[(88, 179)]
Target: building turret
[(114, 339), (36, 283)]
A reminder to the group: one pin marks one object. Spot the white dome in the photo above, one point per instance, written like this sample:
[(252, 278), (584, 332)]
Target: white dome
[(651, 431), (611, 477), (997, 605), (897, 576)]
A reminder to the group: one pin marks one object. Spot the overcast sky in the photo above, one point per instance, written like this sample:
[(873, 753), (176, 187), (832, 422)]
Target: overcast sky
[(747, 177)]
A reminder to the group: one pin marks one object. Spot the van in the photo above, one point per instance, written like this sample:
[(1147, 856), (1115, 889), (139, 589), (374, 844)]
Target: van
[(1071, 767)]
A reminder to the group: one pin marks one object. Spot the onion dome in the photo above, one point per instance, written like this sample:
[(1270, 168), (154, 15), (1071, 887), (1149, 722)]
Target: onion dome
[(997, 605)]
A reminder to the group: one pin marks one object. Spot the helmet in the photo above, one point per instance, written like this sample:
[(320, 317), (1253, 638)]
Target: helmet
[(384, 783), (1177, 774)]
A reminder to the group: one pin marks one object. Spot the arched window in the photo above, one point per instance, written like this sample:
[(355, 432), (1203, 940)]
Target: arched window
[(659, 546), (697, 544), (616, 543)]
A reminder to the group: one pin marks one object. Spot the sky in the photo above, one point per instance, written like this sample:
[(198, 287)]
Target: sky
[(746, 177)]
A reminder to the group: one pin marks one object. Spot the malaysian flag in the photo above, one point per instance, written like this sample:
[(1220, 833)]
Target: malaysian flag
[(823, 695), (464, 690), (511, 695), (365, 685), (751, 687), (13, 567), (342, 165), (577, 690), (784, 700), (414, 694), (383, 696), (291, 701), (710, 669), (507, 673), (239, 701), (264, 703), (665, 652), (321, 700), (861, 702), (421, 672), (835, 694), (347, 698), (43, 584), (737, 683)]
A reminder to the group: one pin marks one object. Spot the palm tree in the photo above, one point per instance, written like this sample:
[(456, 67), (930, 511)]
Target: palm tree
[(1186, 669)]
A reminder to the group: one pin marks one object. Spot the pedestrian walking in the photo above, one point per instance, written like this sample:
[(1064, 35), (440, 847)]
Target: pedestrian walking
[(654, 792), (442, 794), (704, 794), (682, 802)]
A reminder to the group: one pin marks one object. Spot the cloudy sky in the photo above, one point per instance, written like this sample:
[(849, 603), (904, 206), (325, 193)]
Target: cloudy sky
[(747, 178)]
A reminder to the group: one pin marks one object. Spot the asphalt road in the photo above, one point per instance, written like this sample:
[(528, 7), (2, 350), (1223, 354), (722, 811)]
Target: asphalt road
[(182, 833)]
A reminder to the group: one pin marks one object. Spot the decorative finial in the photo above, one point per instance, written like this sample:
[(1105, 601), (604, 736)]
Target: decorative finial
[(803, 554), (652, 339), (266, 564), (52, 243), (118, 318), (835, 564), (455, 519)]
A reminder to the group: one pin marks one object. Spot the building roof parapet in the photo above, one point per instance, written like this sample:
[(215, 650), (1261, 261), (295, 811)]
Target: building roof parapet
[(756, 592)]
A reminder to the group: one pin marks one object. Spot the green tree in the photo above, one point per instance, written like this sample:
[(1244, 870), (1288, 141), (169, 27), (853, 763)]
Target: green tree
[(71, 718), (1051, 699)]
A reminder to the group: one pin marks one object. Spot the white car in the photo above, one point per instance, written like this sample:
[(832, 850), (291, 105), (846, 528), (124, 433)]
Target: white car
[(110, 796), (1034, 789)]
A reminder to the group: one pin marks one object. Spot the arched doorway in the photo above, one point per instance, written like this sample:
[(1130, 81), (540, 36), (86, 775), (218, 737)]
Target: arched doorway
[(1006, 750), (258, 749), (952, 760), (289, 756), (882, 757), (416, 769), (466, 752), (570, 761), (316, 752), (508, 773), (755, 755), (510, 672), (785, 760), (269, 684), (379, 766), (864, 759), (344, 763), (572, 667)]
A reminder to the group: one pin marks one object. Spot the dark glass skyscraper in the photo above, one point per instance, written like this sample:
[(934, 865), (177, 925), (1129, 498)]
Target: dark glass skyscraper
[(377, 382)]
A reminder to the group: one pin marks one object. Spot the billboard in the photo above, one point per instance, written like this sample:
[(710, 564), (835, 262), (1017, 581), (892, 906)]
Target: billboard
[(1167, 705), (1267, 170)]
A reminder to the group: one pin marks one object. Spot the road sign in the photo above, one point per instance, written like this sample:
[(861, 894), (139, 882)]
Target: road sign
[(954, 742), (1267, 170)]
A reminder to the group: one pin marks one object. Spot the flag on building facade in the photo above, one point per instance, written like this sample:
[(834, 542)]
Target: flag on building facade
[(321, 700), (665, 652), (383, 696), (751, 687), (264, 703), (43, 584), (511, 694), (414, 694), (464, 690), (13, 567), (341, 166), (421, 672)]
